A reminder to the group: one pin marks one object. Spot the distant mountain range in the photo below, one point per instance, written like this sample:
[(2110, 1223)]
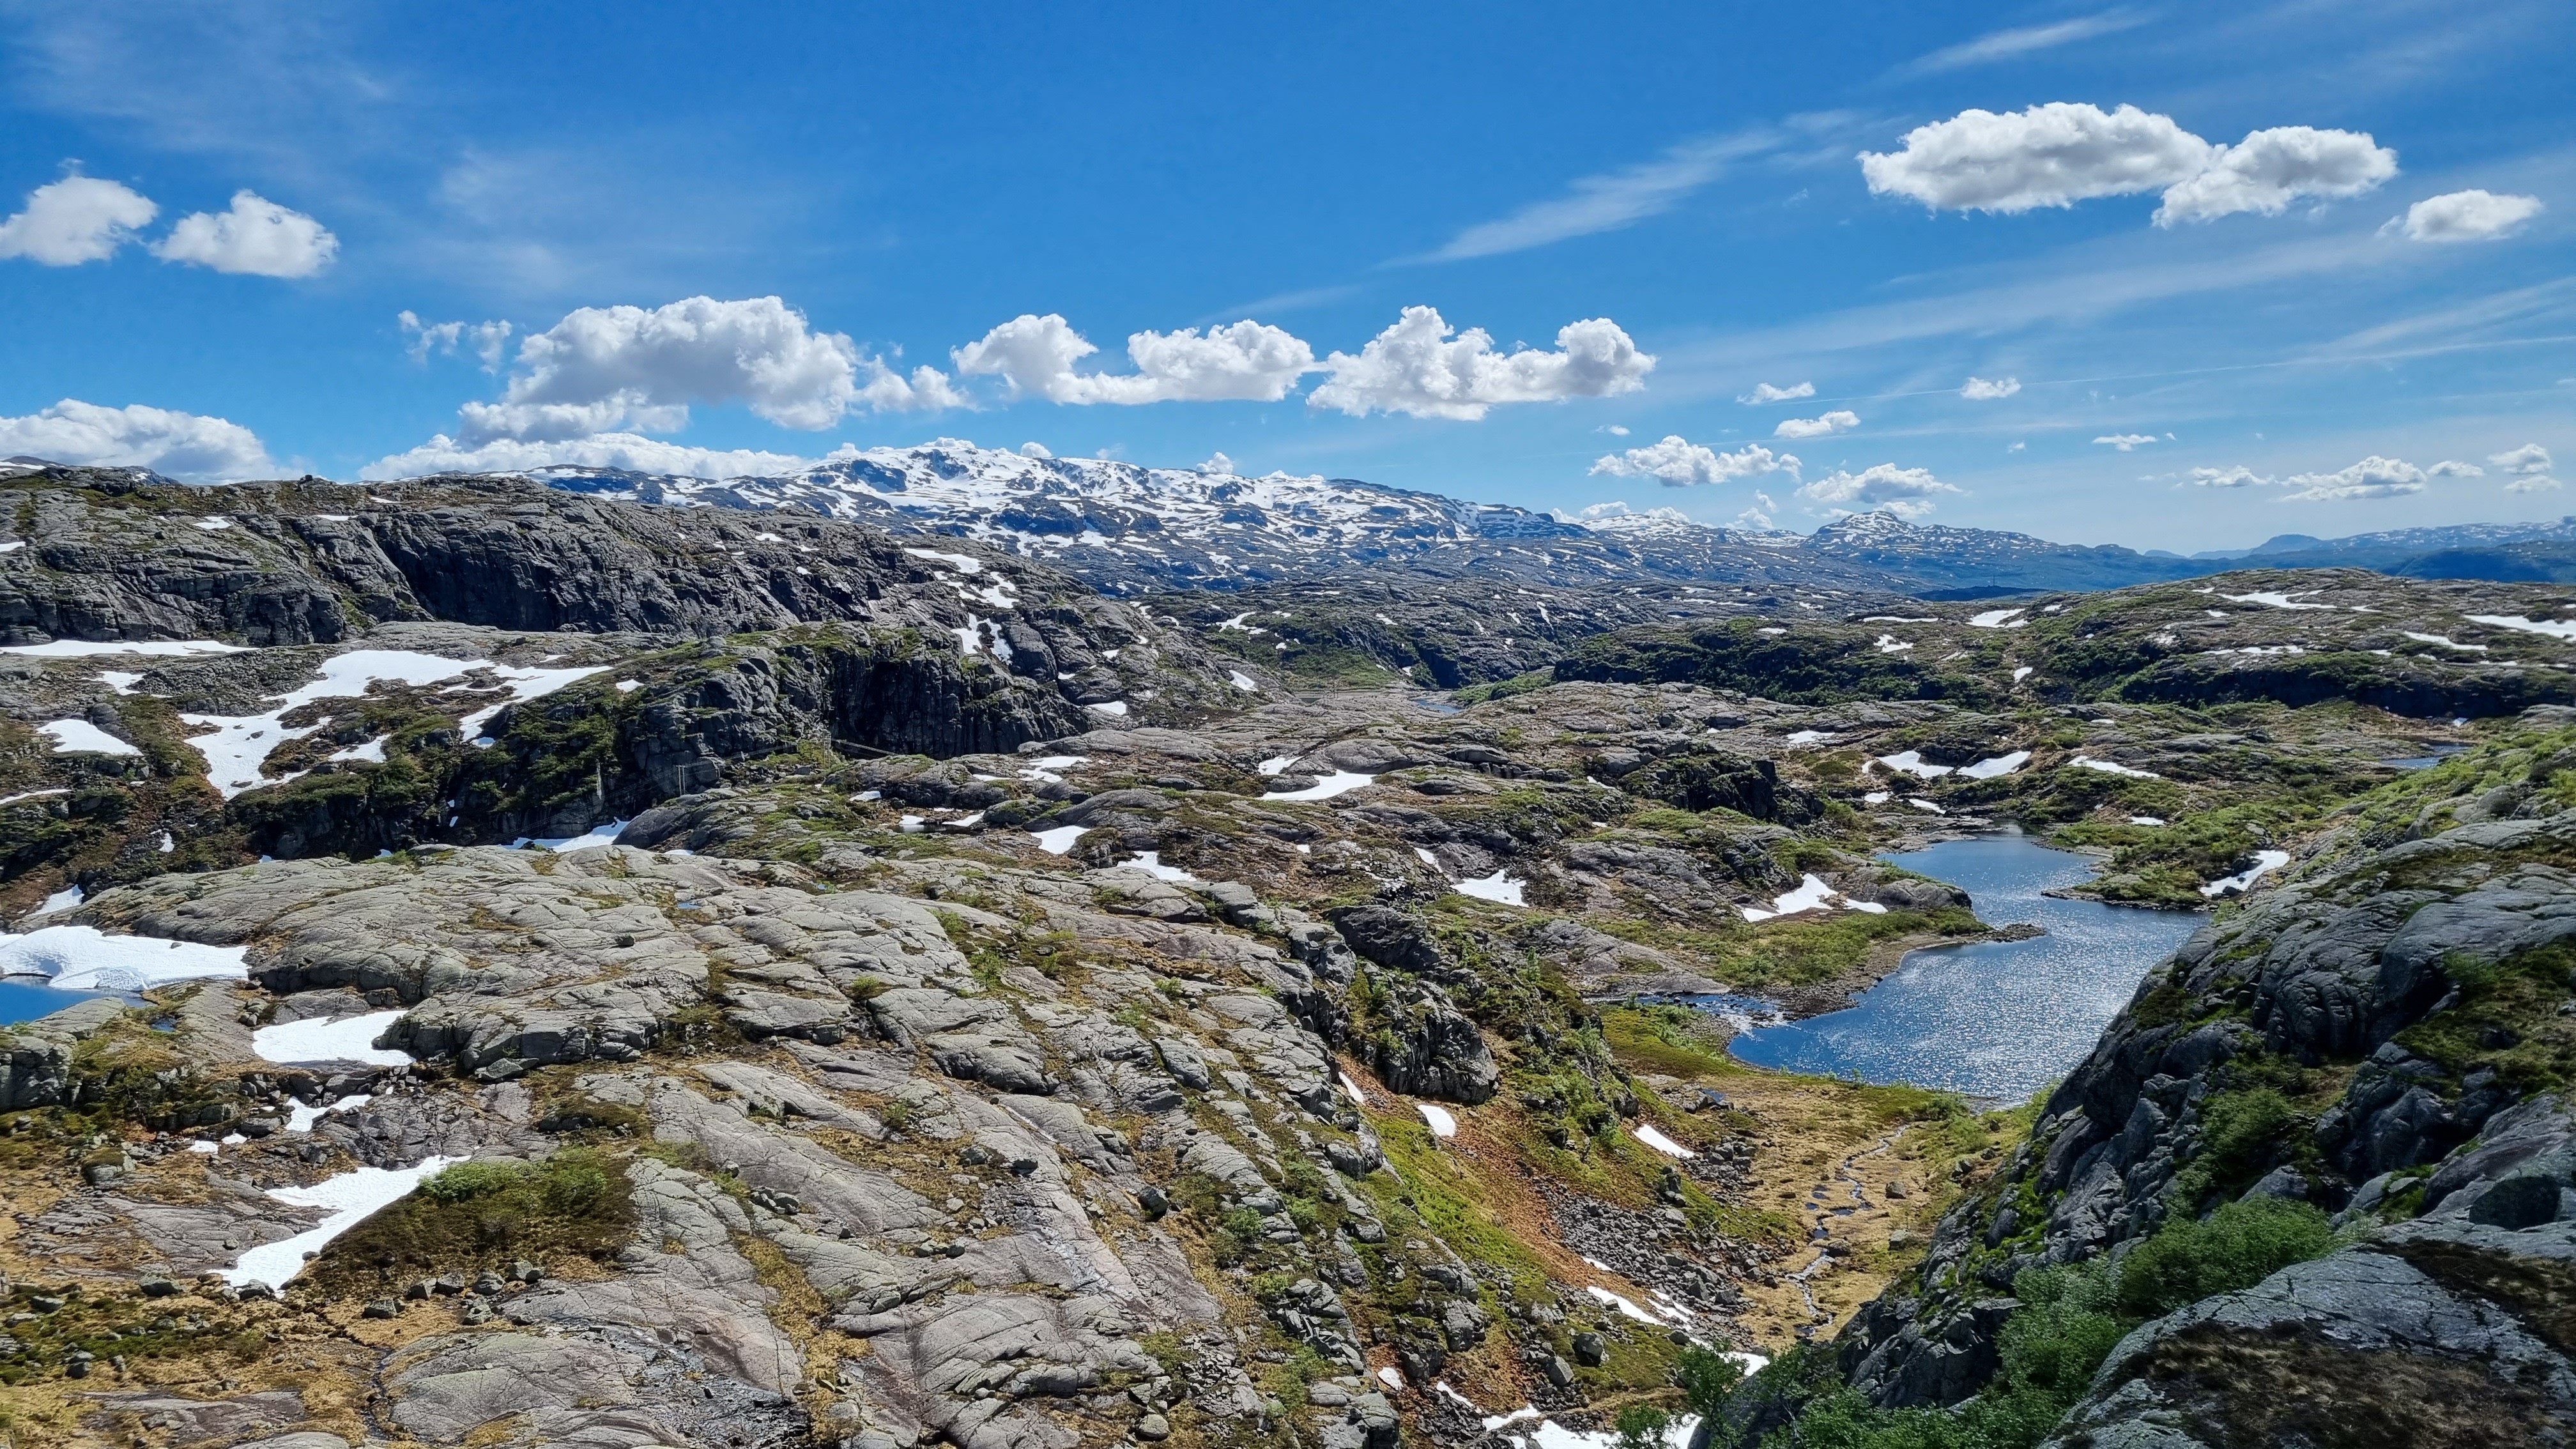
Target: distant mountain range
[(1135, 530)]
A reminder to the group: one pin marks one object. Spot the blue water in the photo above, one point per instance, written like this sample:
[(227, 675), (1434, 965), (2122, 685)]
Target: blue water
[(1995, 1019), (21, 999)]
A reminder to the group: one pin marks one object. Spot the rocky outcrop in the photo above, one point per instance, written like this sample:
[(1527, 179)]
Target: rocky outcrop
[(2426, 976), (2449, 1330)]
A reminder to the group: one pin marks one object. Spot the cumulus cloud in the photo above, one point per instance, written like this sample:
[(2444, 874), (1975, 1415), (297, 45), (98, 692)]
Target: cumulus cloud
[(1980, 389), (1416, 367), (2465, 216), (2127, 442), (77, 219), (2050, 155), (1905, 492), (2065, 152), (2236, 477), (255, 237), (2268, 170), (183, 445), (488, 340), (1218, 465), (1677, 462), (2372, 477), (2528, 468), (1243, 361), (1764, 392), (630, 451), (1034, 449), (1759, 514), (613, 369), (1817, 427)]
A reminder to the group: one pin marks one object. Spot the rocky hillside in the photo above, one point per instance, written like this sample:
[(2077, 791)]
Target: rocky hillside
[(2385, 1038), (583, 972)]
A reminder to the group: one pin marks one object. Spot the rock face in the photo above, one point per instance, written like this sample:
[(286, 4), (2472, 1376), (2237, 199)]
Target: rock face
[(2443, 1331), (2425, 974)]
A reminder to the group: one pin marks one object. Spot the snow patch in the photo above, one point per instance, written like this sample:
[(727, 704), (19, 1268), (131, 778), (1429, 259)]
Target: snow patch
[(345, 1039), (1060, 839), (1494, 888), (2113, 767), (1151, 863), (1340, 782), (1442, 1124), (85, 648), (2554, 628), (1648, 1134), (1994, 619), (1999, 765), (352, 1196), (84, 958), (80, 737), (2265, 862)]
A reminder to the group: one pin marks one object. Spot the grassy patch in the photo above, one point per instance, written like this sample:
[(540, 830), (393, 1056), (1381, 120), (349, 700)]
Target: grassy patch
[(485, 1214)]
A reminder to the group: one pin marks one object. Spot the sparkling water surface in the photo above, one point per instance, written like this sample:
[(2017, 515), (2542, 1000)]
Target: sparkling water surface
[(1996, 1019)]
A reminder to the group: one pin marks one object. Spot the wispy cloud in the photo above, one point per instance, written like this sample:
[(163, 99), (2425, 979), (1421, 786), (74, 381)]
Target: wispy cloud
[(1616, 199), (2022, 40)]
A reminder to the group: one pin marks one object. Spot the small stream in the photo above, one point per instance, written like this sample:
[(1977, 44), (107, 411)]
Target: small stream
[(1996, 1020)]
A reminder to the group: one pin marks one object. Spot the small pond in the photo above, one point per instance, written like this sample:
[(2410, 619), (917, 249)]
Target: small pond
[(24, 998), (1994, 1019)]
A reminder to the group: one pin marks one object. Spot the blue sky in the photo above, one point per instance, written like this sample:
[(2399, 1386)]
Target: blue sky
[(1685, 180)]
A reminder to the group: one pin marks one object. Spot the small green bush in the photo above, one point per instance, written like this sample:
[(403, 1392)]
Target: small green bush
[(2235, 1247)]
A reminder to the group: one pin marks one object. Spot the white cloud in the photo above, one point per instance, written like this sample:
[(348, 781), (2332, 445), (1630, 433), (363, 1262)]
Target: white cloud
[(1610, 201), (2239, 476), (1218, 465), (2455, 470), (2529, 468), (1905, 492), (2065, 152), (1980, 389), (1416, 367), (1244, 361), (1677, 462), (182, 445), (611, 369), (2050, 155), (2017, 447), (2372, 477), (2006, 44), (77, 219), (489, 340), (2126, 442), (1764, 392), (1759, 515), (1616, 430), (256, 237), (2268, 170), (631, 451), (1035, 450), (1817, 427), (2465, 216)]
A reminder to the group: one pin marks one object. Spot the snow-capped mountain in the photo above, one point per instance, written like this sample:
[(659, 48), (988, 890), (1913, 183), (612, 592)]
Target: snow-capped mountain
[(1134, 529)]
